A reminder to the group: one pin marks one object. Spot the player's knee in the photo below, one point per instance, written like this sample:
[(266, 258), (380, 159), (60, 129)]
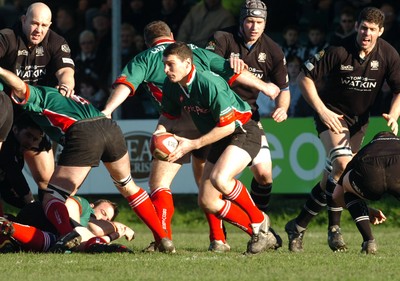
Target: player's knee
[(263, 179), (57, 192), (207, 204), (339, 157)]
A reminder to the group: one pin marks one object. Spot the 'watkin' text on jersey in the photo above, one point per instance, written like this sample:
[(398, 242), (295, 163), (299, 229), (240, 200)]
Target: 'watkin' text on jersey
[(31, 73), (359, 82)]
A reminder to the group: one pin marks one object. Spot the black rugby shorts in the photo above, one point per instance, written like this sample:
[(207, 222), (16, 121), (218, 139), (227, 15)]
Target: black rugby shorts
[(91, 140), (247, 138)]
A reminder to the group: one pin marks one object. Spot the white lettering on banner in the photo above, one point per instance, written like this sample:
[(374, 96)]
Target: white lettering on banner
[(279, 153), (138, 144), (293, 160)]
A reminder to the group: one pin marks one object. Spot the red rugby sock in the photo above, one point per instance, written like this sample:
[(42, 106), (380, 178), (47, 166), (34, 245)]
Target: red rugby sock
[(242, 198), (144, 208), (164, 205), (236, 216), (57, 214)]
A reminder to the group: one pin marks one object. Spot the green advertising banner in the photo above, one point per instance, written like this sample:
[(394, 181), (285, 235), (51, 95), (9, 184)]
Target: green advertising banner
[(298, 156)]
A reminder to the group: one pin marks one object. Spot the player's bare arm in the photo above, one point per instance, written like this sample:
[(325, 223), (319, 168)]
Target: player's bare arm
[(310, 94), (66, 82), (18, 86), (393, 114), (73, 209), (117, 97), (237, 64), (248, 79), (282, 104), (187, 145)]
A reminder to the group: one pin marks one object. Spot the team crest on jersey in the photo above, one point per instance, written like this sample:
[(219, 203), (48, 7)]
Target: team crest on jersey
[(39, 51), (319, 55), (65, 48), (22, 53), (374, 65), (262, 57)]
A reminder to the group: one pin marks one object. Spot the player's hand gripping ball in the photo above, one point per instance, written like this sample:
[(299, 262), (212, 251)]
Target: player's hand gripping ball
[(162, 145)]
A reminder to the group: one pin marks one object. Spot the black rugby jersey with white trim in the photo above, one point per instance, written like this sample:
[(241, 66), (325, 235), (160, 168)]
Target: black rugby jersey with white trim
[(38, 65), (265, 60), (351, 84)]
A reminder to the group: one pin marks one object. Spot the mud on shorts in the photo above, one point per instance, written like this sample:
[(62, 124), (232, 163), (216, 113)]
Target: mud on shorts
[(184, 127), (372, 176), (90, 140), (6, 116), (247, 137)]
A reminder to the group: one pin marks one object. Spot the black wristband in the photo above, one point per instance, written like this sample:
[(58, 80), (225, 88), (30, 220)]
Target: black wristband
[(113, 236)]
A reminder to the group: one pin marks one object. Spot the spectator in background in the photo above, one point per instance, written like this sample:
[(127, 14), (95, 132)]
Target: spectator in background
[(90, 89), (392, 28), (171, 13), (291, 45), (135, 14), (139, 43), (85, 61), (102, 29), (128, 43), (293, 67), (203, 20), (346, 27), (67, 27), (316, 41)]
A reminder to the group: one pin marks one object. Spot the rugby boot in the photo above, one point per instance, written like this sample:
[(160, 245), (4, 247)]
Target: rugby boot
[(277, 237), (66, 243), (335, 239), (6, 227), (166, 246), (262, 239), (219, 246), (369, 247), (295, 237)]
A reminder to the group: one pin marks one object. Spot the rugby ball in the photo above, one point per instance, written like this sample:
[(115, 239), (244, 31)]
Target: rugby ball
[(162, 145)]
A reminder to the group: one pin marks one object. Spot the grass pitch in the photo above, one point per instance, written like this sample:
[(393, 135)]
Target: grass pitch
[(193, 262)]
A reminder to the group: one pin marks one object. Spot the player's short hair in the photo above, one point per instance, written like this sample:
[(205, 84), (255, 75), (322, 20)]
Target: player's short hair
[(25, 121), (113, 204), (155, 29), (179, 49), (253, 8), (372, 15)]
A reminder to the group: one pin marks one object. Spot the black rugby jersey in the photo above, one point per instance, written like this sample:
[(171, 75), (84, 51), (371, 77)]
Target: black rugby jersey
[(38, 65), (265, 60), (351, 84)]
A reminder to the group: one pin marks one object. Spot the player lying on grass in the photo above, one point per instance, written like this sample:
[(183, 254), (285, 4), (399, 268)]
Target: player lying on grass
[(88, 137), (373, 172), (31, 231)]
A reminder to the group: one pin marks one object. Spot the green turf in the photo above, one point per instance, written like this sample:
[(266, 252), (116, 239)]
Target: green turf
[(193, 262)]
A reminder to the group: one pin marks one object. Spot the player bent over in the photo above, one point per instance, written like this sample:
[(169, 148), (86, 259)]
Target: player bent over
[(88, 136), (372, 172), (224, 119)]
